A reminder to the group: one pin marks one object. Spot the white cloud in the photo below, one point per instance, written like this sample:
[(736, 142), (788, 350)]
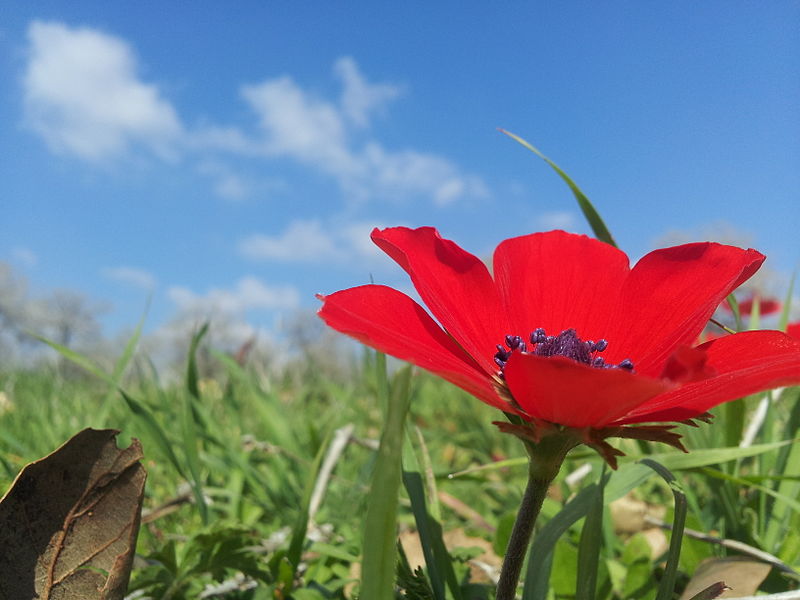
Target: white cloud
[(311, 241), (360, 98), (131, 276), (355, 238), (300, 126), (227, 184), (303, 241), (249, 293), (318, 133), (82, 94), (555, 220), (400, 173), (24, 256)]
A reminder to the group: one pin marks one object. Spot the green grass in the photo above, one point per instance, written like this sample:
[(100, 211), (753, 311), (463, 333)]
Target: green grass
[(232, 459)]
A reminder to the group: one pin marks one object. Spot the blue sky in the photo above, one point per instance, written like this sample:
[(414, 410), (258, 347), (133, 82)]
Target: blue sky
[(235, 160)]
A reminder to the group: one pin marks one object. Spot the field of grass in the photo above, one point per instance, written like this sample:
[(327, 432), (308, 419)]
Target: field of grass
[(259, 485)]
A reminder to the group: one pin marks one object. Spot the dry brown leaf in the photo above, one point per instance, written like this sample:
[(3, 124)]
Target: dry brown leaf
[(68, 524), (455, 538), (629, 514), (742, 575)]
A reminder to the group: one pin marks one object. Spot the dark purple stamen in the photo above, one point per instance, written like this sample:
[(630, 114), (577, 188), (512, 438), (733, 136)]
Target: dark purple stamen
[(567, 344), (626, 364)]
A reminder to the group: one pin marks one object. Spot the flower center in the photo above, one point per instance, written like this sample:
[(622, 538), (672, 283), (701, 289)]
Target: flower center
[(567, 343)]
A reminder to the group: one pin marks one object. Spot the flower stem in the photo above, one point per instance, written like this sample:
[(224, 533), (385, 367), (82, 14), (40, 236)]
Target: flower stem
[(535, 493), (546, 455)]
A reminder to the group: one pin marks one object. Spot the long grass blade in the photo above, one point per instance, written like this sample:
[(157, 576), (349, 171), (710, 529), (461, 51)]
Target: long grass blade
[(673, 460), (192, 376), (79, 359), (737, 314), (121, 365), (380, 552), (592, 216), (437, 558), (711, 456), (430, 478), (300, 529), (783, 321), (788, 462), (141, 412), (130, 349), (589, 545), (666, 587), (540, 556), (189, 426)]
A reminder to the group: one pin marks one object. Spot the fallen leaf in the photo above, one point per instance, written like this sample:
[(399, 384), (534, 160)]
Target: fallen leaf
[(455, 538), (629, 515), (68, 525), (741, 575)]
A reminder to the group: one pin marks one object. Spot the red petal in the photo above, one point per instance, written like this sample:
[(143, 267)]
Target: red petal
[(559, 280), (455, 285), (745, 363), (669, 297), (687, 364), (391, 322), (793, 330), (560, 390)]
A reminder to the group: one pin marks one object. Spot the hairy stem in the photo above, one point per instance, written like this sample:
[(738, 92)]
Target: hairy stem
[(546, 455), (535, 493)]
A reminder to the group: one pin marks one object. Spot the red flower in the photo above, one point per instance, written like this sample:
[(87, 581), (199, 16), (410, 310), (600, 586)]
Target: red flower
[(766, 306), (522, 339), (793, 330)]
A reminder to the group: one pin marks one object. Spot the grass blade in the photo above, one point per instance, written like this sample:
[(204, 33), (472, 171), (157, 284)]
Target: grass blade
[(755, 314), (380, 552), (430, 479), (540, 560), (192, 376), (121, 365), (540, 555), (783, 321), (128, 351), (666, 588), (295, 552), (589, 545), (785, 498), (437, 558), (141, 412), (734, 421), (189, 425), (75, 357), (675, 461), (592, 216), (737, 315)]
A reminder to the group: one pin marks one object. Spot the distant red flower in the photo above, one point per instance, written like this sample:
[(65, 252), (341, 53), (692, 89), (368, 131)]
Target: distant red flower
[(766, 306), (523, 339)]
